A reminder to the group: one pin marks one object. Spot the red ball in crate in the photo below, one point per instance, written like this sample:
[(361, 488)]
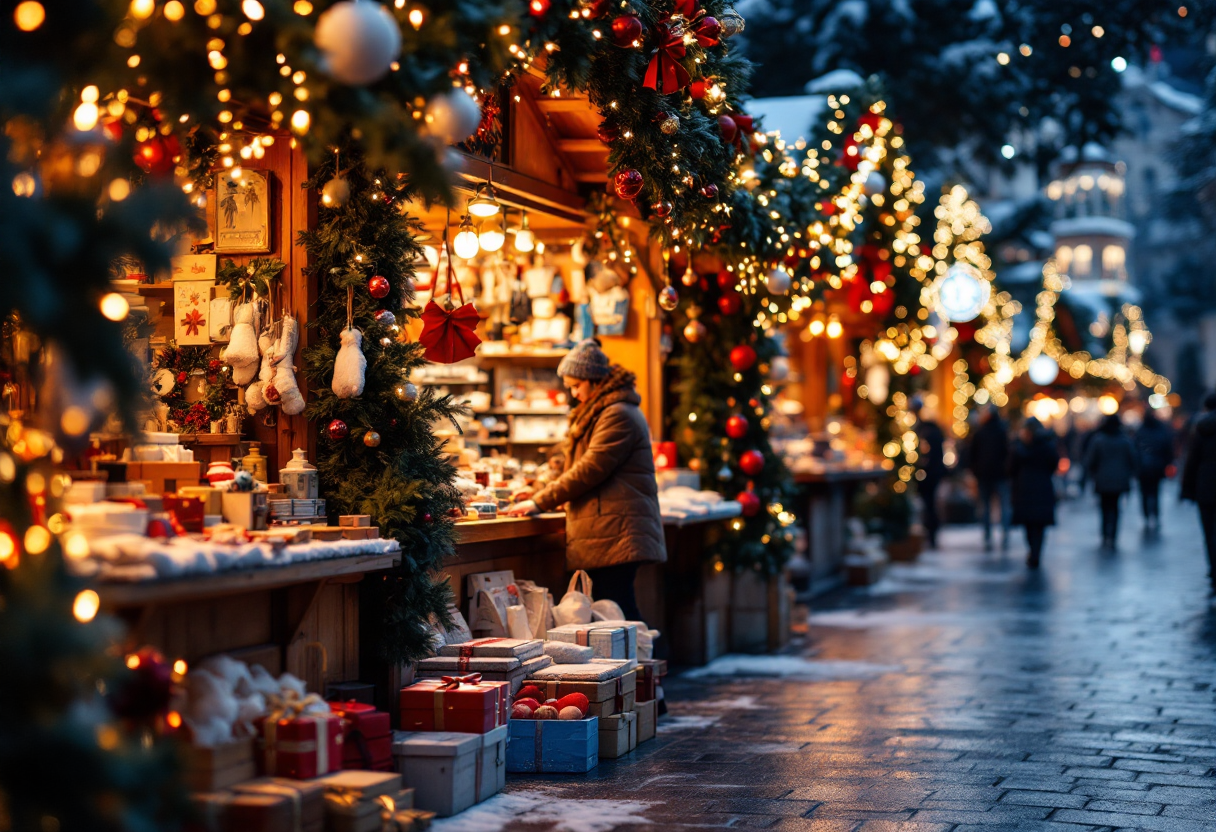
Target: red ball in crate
[(736, 426), (578, 700), (145, 691), (337, 430), (730, 303), (750, 503), (752, 462), (377, 286), (743, 357), (530, 692)]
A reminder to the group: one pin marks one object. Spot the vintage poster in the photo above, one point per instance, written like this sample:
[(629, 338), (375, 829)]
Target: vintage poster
[(192, 312), (242, 213)]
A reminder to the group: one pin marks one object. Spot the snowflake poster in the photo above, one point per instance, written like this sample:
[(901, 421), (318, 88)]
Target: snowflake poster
[(242, 213), (192, 312)]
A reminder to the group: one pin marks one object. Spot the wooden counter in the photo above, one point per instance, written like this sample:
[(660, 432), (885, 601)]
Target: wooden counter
[(825, 504)]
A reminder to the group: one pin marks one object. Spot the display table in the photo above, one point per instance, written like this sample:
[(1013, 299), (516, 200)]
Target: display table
[(826, 500)]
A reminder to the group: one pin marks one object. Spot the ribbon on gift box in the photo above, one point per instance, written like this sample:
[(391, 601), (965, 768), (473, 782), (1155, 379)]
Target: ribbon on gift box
[(466, 650), (454, 683)]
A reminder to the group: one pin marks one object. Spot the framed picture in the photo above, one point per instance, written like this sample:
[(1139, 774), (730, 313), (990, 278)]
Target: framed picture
[(242, 213), (192, 312)]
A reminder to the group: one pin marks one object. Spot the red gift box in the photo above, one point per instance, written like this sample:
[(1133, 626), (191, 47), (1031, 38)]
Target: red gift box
[(188, 511), (302, 747), (464, 704), (363, 718), (368, 742), (374, 754)]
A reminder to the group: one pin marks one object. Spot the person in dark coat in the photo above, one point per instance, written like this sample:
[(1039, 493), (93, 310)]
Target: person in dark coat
[(932, 467), (1110, 464), (1199, 478), (1033, 461), (1154, 454), (990, 466)]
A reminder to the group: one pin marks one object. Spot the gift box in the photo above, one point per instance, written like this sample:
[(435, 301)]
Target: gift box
[(514, 677), (452, 665), (303, 746), (648, 714), (307, 799), (165, 477), (606, 642), (211, 769), (618, 735), (249, 812), (188, 511), (465, 704), (441, 767), (247, 509), (212, 498), (367, 736), (351, 692), (650, 675), (491, 774), (632, 631), (553, 746), (605, 697), (521, 649), (358, 801)]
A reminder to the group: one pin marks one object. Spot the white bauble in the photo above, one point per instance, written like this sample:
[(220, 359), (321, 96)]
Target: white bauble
[(452, 116), (875, 184), (778, 281), (779, 368), (359, 40), (1043, 370)]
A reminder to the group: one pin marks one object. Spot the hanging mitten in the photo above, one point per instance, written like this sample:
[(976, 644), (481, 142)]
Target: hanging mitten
[(242, 349), (255, 394), (350, 367), (290, 398)]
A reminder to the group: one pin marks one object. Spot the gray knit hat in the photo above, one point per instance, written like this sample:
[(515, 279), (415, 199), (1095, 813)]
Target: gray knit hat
[(585, 361)]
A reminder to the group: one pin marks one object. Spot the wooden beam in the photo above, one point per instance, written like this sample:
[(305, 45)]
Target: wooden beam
[(563, 105), (521, 191), (582, 146), (591, 176)]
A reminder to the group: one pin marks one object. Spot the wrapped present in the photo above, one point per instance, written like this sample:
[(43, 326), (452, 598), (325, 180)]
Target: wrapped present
[(188, 511), (521, 649), (491, 774), (210, 769), (618, 735), (514, 677), (366, 742), (410, 820), (648, 714), (307, 799), (637, 635), (212, 498), (454, 703), (606, 642), (302, 746), (605, 696), (441, 767), (450, 665), (246, 812), (596, 670), (360, 801), (650, 675), (553, 746)]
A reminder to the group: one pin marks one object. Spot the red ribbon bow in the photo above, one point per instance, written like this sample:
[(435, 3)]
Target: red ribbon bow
[(746, 129), (453, 682), (449, 335), (666, 74)]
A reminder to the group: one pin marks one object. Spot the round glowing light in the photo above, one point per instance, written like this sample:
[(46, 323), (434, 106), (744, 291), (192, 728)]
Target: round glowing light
[(1108, 405), (180, 667), (76, 546), (816, 327), (492, 236), (525, 240), (416, 17), (86, 605), (834, 328), (1118, 63), (37, 538), (465, 243), (1043, 370), (961, 293), (142, 9), (1009, 151), (174, 11), (114, 306), (8, 547), (300, 121), (253, 10), (29, 15), (1157, 401), (85, 117)]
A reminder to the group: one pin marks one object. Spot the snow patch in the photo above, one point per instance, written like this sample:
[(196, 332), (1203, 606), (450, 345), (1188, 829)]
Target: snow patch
[(838, 80), (543, 806), (738, 703), (790, 667), (792, 116), (673, 722)]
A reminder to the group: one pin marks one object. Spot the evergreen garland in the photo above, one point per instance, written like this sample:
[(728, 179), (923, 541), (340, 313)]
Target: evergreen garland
[(404, 482)]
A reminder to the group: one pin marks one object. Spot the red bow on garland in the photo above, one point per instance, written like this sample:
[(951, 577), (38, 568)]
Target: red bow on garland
[(449, 334), (746, 125), (666, 74), (453, 682)]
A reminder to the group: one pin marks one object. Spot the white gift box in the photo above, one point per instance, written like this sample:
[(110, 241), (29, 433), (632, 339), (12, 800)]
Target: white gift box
[(598, 670), (632, 628), (521, 649), (441, 767), (607, 642)]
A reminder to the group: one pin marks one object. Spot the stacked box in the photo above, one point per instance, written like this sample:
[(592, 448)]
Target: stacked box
[(616, 642), (260, 806), (470, 707), (492, 669), (357, 801), (648, 714), (367, 741), (307, 798), (210, 769), (618, 735), (606, 697), (650, 678), (441, 767), (302, 747), (553, 746)]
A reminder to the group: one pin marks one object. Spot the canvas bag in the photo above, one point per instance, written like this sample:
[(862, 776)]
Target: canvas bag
[(539, 604), (575, 606)]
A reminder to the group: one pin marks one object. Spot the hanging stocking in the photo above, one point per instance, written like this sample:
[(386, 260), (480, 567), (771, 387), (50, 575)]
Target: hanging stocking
[(242, 349), (350, 366), (255, 394), (285, 384)]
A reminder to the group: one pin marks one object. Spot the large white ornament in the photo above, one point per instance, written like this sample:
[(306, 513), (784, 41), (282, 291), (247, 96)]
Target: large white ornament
[(778, 281), (961, 293), (875, 184), (878, 383), (359, 40), (452, 116), (1043, 370)]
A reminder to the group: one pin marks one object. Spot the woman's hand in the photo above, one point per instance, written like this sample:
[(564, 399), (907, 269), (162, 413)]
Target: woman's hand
[(522, 509)]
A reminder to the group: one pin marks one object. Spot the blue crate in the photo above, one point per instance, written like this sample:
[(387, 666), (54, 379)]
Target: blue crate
[(553, 746)]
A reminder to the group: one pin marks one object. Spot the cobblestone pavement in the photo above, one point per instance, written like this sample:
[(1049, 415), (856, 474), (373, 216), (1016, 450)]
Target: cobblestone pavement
[(961, 693)]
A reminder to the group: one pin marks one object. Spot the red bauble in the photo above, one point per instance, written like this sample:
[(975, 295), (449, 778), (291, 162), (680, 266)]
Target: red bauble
[(728, 128), (537, 8), (337, 430), (710, 191), (157, 156), (730, 303), (427, 518), (752, 462), (628, 183), (598, 8), (112, 129), (750, 503), (608, 132), (914, 370), (726, 280), (144, 692), (626, 29), (743, 357), (698, 88), (377, 286), (661, 209), (736, 426)]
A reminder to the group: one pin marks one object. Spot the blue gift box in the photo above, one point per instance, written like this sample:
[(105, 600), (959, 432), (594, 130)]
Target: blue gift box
[(548, 746)]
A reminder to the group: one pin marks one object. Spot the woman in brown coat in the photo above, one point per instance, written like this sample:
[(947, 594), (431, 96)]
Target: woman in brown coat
[(607, 481)]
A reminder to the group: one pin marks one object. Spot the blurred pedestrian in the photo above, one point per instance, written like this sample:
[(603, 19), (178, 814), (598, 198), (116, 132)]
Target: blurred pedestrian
[(1033, 461), (931, 464), (1110, 464), (990, 466), (1154, 454), (1199, 478)]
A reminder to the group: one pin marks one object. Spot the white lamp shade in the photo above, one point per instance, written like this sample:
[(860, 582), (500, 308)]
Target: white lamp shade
[(465, 244)]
